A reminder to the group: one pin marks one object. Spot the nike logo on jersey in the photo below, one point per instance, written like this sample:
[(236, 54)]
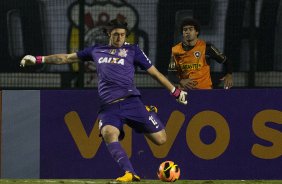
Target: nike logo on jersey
[(111, 60)]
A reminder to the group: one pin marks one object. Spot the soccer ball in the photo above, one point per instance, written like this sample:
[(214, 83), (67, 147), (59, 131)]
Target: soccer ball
[(168, 171)]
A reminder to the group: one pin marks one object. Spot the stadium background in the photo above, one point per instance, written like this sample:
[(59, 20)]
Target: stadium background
[(247, 31)]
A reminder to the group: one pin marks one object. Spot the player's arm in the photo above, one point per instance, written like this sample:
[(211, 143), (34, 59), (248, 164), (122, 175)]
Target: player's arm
[(176, 92), (144, 62), (213, 53), (173, 76), (50, 59), (61, 59)]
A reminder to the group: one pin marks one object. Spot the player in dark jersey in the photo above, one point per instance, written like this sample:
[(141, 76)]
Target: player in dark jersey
[(190, 60), (120, 99)]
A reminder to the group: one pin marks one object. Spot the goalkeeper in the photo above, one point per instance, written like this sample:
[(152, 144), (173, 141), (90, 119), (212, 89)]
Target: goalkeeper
[(120, 99), (189, 65)]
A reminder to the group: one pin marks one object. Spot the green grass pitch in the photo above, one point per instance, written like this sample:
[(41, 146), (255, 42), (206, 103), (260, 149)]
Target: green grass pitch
[(105, 181)]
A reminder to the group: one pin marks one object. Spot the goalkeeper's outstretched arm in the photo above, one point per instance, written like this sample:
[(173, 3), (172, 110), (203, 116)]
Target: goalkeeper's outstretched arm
[(51, 59)]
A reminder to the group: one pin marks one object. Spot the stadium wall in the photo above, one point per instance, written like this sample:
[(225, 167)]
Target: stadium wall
[(234, 134)]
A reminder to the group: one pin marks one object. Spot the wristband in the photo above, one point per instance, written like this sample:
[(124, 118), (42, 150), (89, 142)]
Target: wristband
[(39, 59), (176, 92)]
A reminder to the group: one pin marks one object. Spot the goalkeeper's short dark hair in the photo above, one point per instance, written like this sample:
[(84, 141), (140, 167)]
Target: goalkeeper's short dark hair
[(116, 23), (190, 22)]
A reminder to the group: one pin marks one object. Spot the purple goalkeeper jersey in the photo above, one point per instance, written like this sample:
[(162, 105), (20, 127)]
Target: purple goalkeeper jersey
[(115, 69)]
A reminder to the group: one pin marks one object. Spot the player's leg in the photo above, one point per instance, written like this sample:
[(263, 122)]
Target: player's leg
[(111, 133), (144, 119), (159, 138)]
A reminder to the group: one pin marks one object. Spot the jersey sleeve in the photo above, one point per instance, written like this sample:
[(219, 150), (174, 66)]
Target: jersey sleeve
[(85, 54), (213, 53), (141, 60)]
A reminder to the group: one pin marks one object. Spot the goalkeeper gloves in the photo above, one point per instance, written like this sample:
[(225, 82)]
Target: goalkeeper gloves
[(181, 96), (31, 60)]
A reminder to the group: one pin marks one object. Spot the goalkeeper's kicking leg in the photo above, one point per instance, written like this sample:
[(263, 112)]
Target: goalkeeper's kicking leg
[(111, 127)]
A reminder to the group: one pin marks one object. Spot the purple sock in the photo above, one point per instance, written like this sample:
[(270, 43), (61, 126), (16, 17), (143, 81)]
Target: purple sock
[(120, 156)]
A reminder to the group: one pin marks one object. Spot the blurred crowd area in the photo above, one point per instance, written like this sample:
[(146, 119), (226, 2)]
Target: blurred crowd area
[(249, 32)]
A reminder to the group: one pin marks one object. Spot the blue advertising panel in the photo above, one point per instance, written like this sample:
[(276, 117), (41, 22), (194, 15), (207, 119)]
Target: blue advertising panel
[(220, 134)]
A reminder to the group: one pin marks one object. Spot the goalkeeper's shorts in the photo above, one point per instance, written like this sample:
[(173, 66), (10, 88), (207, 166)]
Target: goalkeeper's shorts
[(130, 111)]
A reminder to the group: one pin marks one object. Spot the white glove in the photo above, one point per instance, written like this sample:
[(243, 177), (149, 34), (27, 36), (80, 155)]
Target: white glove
[(181, 96), (28, 60)]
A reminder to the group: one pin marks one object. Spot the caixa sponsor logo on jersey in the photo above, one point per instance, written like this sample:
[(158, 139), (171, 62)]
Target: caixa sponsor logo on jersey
[(111, 60)]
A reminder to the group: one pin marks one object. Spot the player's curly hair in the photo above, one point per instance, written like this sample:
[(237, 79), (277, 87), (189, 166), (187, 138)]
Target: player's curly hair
[(116, 23), (190, 22)]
